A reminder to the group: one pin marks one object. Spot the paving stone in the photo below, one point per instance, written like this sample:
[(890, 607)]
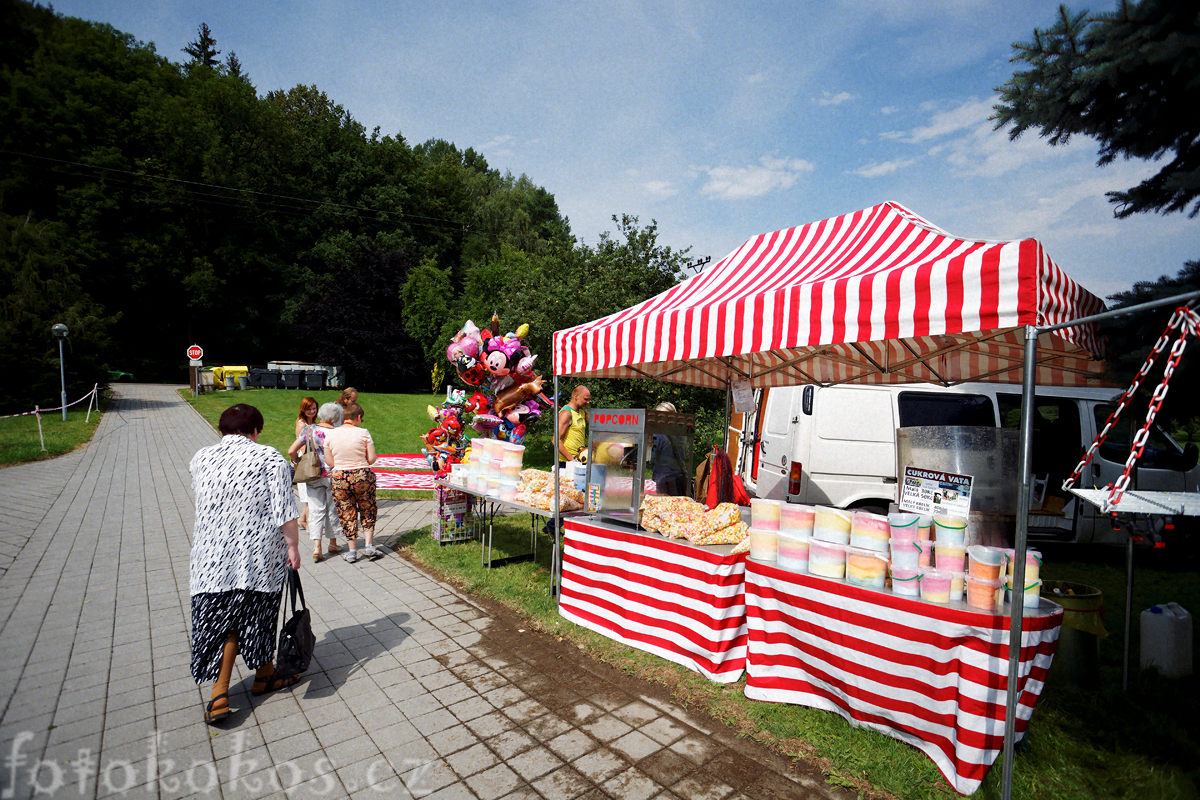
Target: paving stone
[(508, 744), (490, 724), (564, 783), (472, 708), (473, 759), (636, 713), (632, 784), (456, 791), (453, 739), (695, 748), (600, 765), (606, 728), (572, 744), (635, 745), (664, 730), (534, 763), (547, 727), (494, 783), (701, 786), (434, 721), (428, 778), (366, 773), (666, 767), (525, 710)]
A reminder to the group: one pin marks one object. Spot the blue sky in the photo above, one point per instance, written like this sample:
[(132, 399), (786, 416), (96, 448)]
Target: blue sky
[(718, 120)]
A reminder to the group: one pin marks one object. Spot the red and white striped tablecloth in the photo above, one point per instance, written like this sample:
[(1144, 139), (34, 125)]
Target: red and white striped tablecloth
[(932, 676), (681, 602)]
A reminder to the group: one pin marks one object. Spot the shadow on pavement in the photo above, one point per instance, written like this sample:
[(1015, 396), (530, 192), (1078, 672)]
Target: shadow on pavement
[(341, 652)]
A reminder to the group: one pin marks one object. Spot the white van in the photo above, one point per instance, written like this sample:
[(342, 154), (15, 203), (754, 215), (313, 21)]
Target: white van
[(836, 446)]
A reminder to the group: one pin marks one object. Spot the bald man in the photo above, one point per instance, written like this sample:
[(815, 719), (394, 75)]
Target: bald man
[(572, 425)]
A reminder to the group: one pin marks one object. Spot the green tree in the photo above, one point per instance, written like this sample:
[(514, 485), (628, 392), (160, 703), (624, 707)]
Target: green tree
[(203, 50), (1127, 79), (426, 297), (1131, 337), (38, 289)]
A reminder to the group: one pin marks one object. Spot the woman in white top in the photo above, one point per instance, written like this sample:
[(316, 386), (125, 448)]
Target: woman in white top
[(245, 539), (321, 509), (306, 417), (353, 453)]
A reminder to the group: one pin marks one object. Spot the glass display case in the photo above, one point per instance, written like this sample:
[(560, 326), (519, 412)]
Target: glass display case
[(635, 450)]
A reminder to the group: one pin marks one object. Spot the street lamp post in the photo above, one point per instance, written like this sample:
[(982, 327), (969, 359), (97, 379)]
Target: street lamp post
[(60, 332)]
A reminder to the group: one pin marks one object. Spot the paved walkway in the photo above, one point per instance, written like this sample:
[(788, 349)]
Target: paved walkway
[(408, 695)]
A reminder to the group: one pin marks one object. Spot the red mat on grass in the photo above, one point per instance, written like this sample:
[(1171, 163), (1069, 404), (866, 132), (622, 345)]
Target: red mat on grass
[(408, 461), (391, 479)]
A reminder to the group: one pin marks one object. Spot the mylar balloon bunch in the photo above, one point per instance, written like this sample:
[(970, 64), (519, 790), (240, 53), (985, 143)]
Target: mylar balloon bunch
[(507, 395), (446, 441)]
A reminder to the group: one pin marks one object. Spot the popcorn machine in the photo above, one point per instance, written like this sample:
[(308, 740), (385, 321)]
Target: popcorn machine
[(631, 450)]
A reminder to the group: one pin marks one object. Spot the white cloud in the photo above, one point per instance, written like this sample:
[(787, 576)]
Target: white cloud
[(501, 146), (965, 138), (660, 189), (878, 169), (968, 115), (757, 77), (769, 175), (886, 110), (831, 99)]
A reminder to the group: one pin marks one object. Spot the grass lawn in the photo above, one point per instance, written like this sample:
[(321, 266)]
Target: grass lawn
[(1081, 744), (19, 440)]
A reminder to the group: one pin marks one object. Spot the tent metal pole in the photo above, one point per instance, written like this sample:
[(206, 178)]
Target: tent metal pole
[(1179, 299), (728, 416), (1017, 591), (554, 554)]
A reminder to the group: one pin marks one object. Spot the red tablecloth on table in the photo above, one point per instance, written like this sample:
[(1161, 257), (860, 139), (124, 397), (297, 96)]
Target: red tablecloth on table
[(932, 676), (681, 602)]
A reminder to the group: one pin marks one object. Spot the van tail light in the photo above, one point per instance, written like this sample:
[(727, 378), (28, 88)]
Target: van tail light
[(794, 478)]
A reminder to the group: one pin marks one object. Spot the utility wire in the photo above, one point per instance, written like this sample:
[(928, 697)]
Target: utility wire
[(275, 198)]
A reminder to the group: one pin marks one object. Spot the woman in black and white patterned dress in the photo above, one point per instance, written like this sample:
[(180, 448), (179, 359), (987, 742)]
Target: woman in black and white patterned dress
[(246, 537)]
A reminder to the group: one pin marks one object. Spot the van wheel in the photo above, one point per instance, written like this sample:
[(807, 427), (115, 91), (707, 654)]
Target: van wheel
[(871, 506)]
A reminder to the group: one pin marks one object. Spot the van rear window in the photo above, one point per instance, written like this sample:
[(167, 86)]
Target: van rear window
[(935, 408)]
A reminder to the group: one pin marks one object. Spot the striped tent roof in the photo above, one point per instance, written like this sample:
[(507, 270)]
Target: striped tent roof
[(876, 296)]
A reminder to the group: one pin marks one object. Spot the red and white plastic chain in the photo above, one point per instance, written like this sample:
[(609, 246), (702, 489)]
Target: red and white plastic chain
[(1189, 325), (1133, 387)]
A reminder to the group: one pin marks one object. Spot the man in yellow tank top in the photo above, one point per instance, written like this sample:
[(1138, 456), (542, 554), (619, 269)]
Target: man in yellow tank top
[(572, 425)]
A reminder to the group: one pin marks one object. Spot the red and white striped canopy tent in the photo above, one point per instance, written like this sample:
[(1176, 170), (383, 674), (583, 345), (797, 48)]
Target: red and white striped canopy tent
[(877, 296)]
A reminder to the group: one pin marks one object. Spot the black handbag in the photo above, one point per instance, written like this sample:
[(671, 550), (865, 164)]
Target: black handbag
[(296, 640)]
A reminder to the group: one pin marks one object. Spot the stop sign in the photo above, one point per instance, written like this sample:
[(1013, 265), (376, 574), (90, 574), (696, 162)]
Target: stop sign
[(195, 352)]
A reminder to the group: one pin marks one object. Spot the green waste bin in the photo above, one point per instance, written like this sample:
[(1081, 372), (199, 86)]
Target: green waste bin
[(1077, 660)]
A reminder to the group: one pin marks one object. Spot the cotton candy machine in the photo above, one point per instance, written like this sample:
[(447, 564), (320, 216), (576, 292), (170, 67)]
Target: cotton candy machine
[(991, 456)]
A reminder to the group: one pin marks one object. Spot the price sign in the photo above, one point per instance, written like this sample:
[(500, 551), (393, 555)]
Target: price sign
[(195, 352), (925, 491)]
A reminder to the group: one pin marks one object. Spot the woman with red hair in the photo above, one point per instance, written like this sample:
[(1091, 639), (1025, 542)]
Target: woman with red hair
[(306, 417)]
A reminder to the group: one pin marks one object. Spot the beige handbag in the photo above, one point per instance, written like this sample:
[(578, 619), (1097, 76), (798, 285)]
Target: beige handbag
[(308, 468)]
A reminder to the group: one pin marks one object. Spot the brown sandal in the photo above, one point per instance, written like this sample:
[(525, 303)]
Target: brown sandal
[(317, 558), (333, 548), (219, 715), (273, 684)]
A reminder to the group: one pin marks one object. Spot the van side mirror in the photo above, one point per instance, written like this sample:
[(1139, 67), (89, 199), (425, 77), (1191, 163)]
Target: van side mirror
[(806, 401), (1191, 454)]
